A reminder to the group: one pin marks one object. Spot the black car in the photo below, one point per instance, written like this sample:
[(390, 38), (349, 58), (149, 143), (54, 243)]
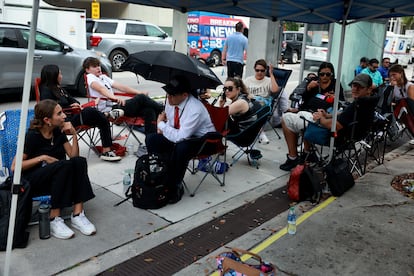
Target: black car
[(292, 46)]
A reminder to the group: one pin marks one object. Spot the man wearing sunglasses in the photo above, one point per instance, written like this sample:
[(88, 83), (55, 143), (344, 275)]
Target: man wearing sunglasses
[(372, 71), (319, 94), (261, 86)]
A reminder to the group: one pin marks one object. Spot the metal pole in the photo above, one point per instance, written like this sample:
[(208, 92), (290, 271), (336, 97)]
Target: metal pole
[(22, 130)]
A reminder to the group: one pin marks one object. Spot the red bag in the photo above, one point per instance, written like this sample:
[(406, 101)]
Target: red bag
[(293, 183)]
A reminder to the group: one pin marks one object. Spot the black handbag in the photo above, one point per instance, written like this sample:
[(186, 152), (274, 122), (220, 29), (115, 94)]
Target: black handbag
[(339, 176)]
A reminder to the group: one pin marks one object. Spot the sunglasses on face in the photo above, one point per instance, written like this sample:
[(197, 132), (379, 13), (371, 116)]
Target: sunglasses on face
[(260, 70), (227, 88), (322, 74)]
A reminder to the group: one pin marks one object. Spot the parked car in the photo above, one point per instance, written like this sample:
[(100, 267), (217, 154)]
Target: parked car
[(118, 38), (292, 46), (48, 50), (316, 53)]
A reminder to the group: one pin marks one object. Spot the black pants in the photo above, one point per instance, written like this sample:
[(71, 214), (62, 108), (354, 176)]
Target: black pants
[(180, 153), (234, 69), (66, 181), (92, 117), (143, 106)]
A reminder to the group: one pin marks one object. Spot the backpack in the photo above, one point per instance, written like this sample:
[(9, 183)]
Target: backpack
[(339, 176), (23, 214), (149, 189), (304, 184)]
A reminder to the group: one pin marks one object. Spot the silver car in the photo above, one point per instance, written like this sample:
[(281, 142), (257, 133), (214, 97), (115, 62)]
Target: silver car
[(118, 38), (48, 50)]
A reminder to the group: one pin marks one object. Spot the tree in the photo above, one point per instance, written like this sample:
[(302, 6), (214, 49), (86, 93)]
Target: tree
[(408, 22)]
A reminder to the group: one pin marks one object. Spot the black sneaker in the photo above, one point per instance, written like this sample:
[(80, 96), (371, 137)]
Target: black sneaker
[(110, 156), (289, 164)]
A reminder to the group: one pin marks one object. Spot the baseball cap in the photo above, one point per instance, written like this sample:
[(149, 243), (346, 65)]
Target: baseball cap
[(177, 85), (362, 79)]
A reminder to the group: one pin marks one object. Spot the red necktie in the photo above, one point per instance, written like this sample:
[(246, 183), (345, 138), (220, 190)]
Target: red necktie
[(177, 118)]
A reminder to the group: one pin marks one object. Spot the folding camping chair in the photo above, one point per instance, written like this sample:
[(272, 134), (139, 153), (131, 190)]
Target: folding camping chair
[(9, 130), (246, 139), (127, 124), (349, 144), (214, 145), (86, 133), (282, 76)]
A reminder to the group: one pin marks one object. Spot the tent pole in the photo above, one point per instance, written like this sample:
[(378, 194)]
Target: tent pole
[(22, 130), (337, 90)]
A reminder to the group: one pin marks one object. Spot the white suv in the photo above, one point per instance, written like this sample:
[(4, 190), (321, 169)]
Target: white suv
[(118, 38)]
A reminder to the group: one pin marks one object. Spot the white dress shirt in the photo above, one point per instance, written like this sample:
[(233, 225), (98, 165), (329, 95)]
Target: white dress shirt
[(194, 120)]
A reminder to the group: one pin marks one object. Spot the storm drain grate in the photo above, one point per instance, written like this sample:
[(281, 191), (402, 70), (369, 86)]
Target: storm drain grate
[(173, 256)]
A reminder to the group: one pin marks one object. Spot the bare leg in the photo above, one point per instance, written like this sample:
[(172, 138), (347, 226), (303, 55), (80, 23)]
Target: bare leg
[(291, 140), (54, 213), (77, 208)]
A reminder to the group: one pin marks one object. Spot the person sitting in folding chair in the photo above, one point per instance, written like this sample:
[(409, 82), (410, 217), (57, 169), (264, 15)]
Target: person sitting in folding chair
[(140, 105), (49, 172), (319, 94), (243, 106), (50, 81), (184, 121), (357, 118), (266, 87)]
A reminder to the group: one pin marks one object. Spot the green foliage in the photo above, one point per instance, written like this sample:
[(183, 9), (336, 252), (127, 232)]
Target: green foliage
[(408, 22), (291, 26)]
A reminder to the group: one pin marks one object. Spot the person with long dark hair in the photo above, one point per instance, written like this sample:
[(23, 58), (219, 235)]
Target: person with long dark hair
[(50, 88), (45, 166), (319, 94)]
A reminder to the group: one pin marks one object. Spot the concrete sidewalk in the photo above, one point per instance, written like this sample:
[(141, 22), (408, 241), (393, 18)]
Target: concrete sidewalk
[(324, 246), (367, 231)]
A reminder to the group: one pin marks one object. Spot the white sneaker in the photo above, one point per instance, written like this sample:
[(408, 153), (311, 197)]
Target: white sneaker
[(263, 138), (60, 230), (110, 156), (116, 113), (82, 223)]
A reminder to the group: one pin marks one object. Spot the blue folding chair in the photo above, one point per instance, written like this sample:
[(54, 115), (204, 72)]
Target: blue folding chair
[(9, 131)]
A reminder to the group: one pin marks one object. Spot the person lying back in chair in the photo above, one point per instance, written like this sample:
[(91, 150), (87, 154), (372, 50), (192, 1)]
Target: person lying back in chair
[(356, 119), (243, 106), (101, 86)]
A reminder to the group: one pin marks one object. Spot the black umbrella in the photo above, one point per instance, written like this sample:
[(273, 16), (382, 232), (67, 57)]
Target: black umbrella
[(162, 66)]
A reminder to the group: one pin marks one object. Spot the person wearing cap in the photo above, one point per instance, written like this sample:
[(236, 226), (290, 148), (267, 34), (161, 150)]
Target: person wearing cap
[(101, 86), (184, 120), (363, 63), (319, 94), (364, 106)]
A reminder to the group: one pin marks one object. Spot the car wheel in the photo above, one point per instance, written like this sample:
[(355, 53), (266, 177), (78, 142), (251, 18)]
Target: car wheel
[(216, 55), (294, 57), (117, 58)]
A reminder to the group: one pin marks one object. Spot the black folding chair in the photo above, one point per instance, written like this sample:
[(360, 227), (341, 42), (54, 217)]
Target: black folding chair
[(282, 76), (247, 138)]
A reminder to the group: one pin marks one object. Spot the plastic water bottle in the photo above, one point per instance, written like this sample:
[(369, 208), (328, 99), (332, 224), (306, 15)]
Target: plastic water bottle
[(127, 179), (291, 228), (44, 221), (130, 150)]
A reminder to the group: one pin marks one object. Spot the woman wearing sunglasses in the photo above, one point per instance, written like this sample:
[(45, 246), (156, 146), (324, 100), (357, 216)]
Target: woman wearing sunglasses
[(243, 106), (261, 86), (319, 94)]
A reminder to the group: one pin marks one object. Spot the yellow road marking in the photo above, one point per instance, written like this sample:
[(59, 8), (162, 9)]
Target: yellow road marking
[(273, 238)]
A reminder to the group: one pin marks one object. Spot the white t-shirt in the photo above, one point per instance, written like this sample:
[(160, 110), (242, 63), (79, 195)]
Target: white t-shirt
[(257, 87), (401, 92), (104, 80)]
